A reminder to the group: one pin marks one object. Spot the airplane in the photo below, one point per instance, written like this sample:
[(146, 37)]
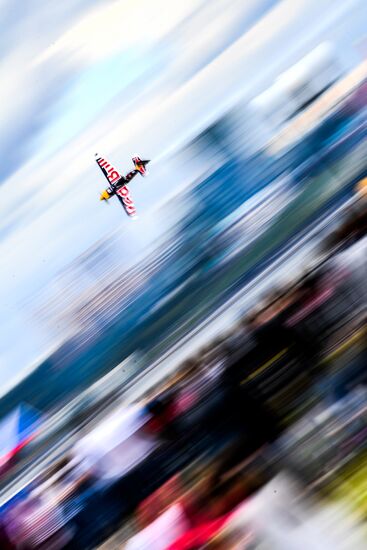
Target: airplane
[(118, 183)]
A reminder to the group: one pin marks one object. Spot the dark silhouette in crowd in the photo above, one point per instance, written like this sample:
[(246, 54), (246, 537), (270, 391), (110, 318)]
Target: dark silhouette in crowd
[(353, 228)]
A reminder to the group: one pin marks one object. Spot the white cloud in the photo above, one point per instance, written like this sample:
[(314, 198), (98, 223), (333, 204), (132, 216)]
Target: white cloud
[(119, 26), (27, 94)]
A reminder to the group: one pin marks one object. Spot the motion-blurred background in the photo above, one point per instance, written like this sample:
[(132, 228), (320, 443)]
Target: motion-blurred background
[(211, 352)]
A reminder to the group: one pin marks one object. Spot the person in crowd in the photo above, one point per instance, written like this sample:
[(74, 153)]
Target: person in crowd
[(164, 421), (354, 225), (5, 542)]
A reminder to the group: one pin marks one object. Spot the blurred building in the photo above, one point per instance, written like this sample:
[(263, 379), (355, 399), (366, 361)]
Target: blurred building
[(242, 125), (299, 86)]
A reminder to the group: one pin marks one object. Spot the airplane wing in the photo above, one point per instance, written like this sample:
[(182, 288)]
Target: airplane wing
[(111, 174), (124, 196)]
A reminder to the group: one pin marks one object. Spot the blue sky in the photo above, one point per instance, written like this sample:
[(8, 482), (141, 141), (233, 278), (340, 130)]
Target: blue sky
[(119, 77)]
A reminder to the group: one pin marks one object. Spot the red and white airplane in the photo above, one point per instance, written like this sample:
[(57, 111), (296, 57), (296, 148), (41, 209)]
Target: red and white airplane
[(118, 183)]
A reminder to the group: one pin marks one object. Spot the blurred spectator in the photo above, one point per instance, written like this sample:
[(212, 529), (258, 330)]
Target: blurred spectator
[(245, 416), (5, 542), (40, 522), (354, 226), (162, 532), (351, 265), (272, 336), (164, 421)]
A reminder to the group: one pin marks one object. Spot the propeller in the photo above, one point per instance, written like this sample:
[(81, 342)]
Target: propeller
[(104, 196)]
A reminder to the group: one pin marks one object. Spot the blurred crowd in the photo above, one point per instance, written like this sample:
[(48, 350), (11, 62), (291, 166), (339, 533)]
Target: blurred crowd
[(238, 448)]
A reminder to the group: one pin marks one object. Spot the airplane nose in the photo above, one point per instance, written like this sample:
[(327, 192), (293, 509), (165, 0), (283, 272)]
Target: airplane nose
[(104, 196)]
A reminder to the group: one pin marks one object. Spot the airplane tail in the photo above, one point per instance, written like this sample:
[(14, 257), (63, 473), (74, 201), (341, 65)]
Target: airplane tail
[(140, 165)]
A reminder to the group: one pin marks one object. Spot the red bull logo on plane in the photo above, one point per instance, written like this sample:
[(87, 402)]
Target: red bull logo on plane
[(112, 174), (124, 193)]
